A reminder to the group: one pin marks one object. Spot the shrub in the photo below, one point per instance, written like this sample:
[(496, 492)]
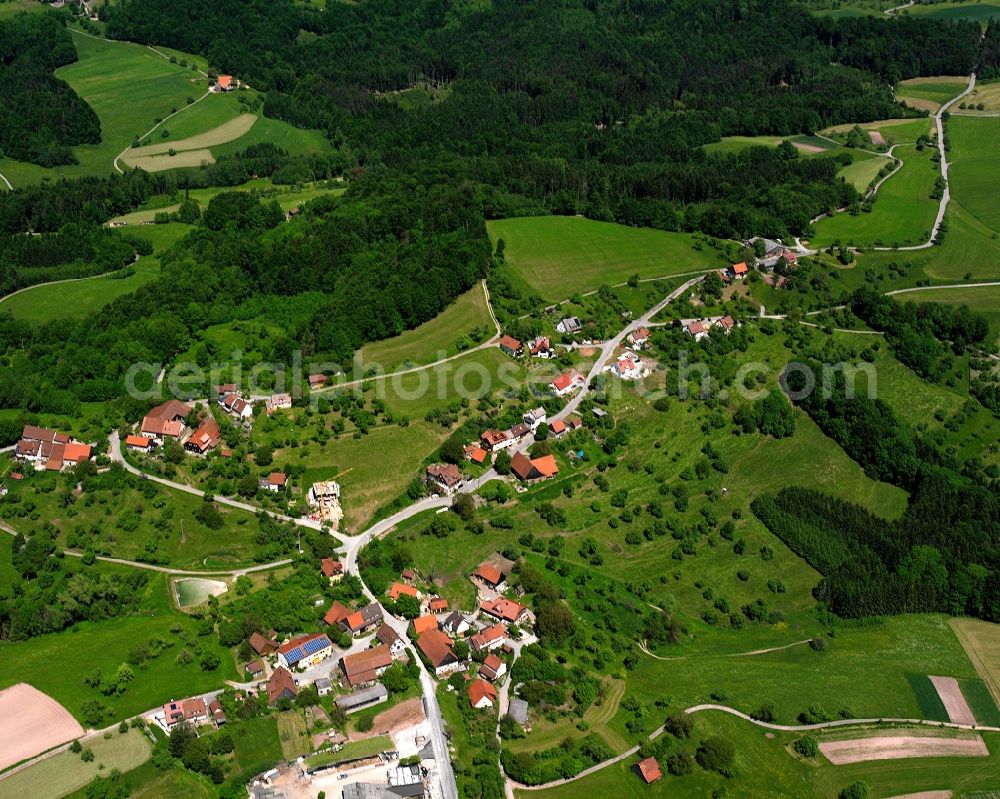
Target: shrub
[(806, 746), (717, 754)]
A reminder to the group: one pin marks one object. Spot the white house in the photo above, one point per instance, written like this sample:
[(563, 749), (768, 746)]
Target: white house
[(305, 651), (628, 366), (535, 417), (567, 383), (569, 325), (696, 330), (236, 406), (639, 338)]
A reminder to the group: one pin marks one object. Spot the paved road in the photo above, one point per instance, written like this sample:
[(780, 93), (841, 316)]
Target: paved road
[(946, 195)]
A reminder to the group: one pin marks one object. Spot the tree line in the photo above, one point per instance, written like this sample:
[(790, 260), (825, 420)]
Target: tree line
[(41, 117)]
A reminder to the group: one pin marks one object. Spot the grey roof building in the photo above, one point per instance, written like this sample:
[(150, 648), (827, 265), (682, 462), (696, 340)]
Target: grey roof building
[(518, 710)]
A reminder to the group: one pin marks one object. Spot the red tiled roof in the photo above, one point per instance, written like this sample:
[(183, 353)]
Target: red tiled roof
[(489, 573), (398, 589), (438, 604), (447, 474), (363, 667), (422, 624), (488, 636), (277, 478), (137, 441), (546, 465), (261, 645), (740, 268), (479, 689), (330, 567), (650, 770), (436, 646), (558, 426), (502, 608), (281, 680), (510, 343), (336, 614)]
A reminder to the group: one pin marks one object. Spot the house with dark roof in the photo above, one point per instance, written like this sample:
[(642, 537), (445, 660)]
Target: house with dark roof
[(444, 478), (205, 437), (218, 714), (456, 624), (362, 698), (281, 685), (236, 406), (436, 647), (518, 711), (255, 669), (535, 417), (305, 651), (332, 569), (493, 668), (262, 645), (363, 668), (50, 450), (388, 636), (569, 325), (165, 420)]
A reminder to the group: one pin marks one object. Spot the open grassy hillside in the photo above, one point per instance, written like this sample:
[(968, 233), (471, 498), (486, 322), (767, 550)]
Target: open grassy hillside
[(138, 93), (560, 255)]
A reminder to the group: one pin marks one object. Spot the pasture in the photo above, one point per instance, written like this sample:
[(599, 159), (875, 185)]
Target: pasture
[(435, 339), (10, 8), (975, 167), (75, 299), (560, 255), (986, 92), (104, 645), (929, 94), (863, 171), (903, 213), (981, 641), (64, 773), (904, 130), (981, 12)]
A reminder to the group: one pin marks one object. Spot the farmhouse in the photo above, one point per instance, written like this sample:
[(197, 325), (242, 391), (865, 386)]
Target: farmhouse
[(531, 469), (364, 698), (567, 383), (496, 440), (138, 443), (277, 402), (504, 609), (50, 450), (444, 478), (206, 437), (422, 624), (493, 668), (275, 481), (317, 380), (491, 576), (336, 615), (165, 421), (281, 685), (362, 620), (481, 694), (388, 636), (557, 428), (436, 647), (236, 406), (224, 83), (365, 667), (569, 325), (696, 330), (255, 668), (456, 624), (194, 711), (541, 348), (512, 346), (396, 590), (262, 645), (437, 604), (488, 639), (305, 651), (649, 770), (332, 569)]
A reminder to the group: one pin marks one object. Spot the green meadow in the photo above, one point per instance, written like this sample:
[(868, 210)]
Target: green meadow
[(929, 94), (434, 339), (983, 300), (903, 212), (974, 11), (559, 255)]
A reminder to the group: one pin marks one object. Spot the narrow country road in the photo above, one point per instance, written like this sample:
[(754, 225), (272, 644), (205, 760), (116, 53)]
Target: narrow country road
[(67, 280), (3, 177), (949, 286)]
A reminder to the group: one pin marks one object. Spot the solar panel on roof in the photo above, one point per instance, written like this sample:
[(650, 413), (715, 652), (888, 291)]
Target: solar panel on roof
[(295, 655), (315, 645)]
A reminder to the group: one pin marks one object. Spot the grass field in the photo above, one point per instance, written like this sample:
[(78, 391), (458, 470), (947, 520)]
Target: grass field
[(862, 172), (903, 212), (975, 166), (352, 750), (42, 662), (293, 734), (258, 745), (56, 776), (929, 94), (767, 769), (981, 702), (9, 8), (149, 782), (981, 641), (434, 339), (986, 92), (112, 76), (974, 11), (78, 298), (931, 706), (559, 255)]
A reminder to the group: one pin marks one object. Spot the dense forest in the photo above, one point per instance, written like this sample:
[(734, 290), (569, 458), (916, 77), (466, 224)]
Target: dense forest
[(388, 256), (943, 554), (41, 117), (597, 107)]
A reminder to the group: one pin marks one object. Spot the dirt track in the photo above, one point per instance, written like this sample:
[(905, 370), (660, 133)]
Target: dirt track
[(405, 714), (30, 723), (954, 702), (893, 747)]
